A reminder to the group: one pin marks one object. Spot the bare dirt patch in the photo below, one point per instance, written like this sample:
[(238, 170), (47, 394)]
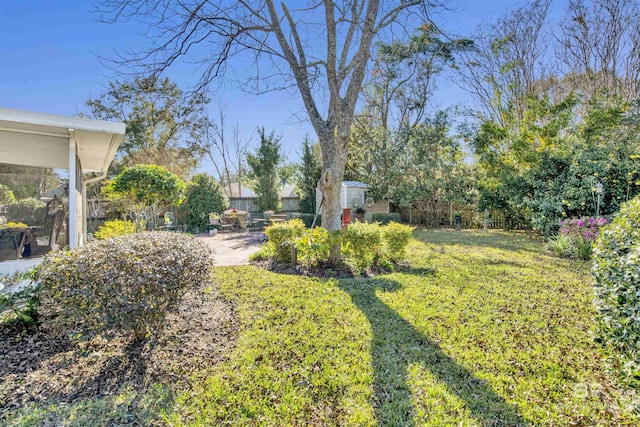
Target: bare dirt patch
[(40, 367)]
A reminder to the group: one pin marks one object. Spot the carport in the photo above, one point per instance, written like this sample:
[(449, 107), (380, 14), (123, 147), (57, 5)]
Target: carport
[(84, 147)]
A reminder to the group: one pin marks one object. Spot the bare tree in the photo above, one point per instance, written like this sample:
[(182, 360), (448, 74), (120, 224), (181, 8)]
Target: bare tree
[(322, 50), (508, 64), (228, 155), (600, 48)]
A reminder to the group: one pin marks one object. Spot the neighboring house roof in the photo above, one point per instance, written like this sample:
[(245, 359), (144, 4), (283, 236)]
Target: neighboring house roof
[(244, 190), (288, 191)]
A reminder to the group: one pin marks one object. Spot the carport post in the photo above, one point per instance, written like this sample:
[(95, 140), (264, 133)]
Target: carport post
[(73, 200)]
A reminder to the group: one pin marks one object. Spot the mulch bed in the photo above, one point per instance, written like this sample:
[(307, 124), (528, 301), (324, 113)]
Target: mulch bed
[(41, 367)]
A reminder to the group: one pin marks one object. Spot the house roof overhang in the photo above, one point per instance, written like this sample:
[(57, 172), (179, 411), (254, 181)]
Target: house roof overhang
[(42, 140)]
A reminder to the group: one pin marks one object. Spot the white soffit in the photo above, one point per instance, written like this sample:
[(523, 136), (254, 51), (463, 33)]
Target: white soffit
[(42, 140)]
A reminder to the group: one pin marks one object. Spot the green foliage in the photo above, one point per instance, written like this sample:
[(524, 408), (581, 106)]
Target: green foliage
[(314, 246), (282, 237), (583, 248), (30, 211), (560, 244), (308, 176), (113, 228), (386, 218), (616, 269), (307, 218), (204, 195), (146, 185), (26, 181), (6, 195), (543, 168), (362, 244), (20, 306), (159, 121), (264, 169), (421, 164), (123, 284), (396, 237)]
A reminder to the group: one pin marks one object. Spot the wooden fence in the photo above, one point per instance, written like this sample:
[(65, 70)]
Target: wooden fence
[(287, 204), (469, 216)]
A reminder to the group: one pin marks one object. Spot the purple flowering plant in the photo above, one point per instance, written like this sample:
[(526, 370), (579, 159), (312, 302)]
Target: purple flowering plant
[(585, 228)]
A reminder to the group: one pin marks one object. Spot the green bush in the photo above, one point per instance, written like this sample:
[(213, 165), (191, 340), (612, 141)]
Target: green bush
[(361, 244), (6, 195), (396, 237), (386, 218), (616, 269), (20, 306), (307, 218), (204, 195), (123, 284), (313, 246), (30, 211), (113, 228), (282, 236)]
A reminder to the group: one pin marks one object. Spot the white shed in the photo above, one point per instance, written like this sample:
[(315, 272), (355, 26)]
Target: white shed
[(354, 194)]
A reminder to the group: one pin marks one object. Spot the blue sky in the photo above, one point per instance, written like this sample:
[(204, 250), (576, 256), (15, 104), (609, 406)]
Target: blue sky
[(49, 62)]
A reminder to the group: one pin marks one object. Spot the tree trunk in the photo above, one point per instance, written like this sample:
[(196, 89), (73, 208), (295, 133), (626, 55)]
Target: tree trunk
[(334, 158)]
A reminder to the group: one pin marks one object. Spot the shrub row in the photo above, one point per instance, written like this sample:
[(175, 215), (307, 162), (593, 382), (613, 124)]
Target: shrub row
[(363, 244), (125, 283), (386, 218)]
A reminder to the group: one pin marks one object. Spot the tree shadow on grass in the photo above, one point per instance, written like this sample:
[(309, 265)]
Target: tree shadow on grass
[(396, 346)]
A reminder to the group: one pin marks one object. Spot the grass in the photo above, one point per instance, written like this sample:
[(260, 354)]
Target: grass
[(485, 329)]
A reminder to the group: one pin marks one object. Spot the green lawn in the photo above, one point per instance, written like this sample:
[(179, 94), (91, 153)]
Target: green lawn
[(486, 329)]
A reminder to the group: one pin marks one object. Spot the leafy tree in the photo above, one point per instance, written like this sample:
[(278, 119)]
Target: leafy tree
[(159, 120), (286, 173), (264, 170), (145, 190), (420, 165), (308, 176), (26, 181), (203, 195), (328, 76), (6, 195)]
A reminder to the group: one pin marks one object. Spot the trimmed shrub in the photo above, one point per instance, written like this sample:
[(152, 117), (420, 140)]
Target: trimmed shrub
[(396, 237), (361, 244), (616, 269), (204, 195), (313, 246), (122, 284), (113, 228), (386, 218), (282, 236)]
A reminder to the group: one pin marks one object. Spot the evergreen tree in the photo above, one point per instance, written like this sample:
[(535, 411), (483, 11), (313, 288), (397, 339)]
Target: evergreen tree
[(308, 176), (264, 170)]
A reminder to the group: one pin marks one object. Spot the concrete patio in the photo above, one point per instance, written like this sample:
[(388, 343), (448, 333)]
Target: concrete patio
[(232, 248)]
